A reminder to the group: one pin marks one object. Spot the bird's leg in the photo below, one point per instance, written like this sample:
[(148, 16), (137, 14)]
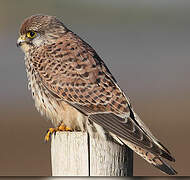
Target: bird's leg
[(51, 131)]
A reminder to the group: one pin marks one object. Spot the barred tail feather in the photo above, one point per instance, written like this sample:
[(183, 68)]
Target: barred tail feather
[(151, 158)]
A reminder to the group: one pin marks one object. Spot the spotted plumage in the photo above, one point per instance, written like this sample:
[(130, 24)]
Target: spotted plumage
[(71, 85)]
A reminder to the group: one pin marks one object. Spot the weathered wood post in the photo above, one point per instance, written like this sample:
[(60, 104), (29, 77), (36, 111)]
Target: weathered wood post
[(77, 154)]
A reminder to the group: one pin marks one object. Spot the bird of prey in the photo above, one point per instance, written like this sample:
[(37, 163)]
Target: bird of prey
[(72, 86)]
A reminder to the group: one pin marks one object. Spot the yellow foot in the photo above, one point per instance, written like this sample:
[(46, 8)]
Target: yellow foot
[(54, 130)]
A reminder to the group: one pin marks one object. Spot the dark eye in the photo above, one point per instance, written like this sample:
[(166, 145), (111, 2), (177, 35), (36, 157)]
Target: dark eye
[(31, 34)]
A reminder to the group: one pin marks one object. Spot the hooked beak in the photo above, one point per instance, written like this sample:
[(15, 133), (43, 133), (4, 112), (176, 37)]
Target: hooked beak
[(21, 40)]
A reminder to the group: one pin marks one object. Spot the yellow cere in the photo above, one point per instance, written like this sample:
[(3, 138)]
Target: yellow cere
[(31, 34)]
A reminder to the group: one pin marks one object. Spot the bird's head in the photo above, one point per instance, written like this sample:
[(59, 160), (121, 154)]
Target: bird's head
[(38, 30)]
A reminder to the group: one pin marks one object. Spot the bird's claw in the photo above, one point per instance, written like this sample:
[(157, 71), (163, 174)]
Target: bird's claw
[(54, 130)]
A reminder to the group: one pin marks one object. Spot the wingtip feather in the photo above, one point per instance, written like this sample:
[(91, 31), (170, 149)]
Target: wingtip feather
[(167, 156), (166, 168)]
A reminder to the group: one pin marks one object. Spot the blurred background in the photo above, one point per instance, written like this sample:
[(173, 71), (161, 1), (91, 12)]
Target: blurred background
[(145, 44)]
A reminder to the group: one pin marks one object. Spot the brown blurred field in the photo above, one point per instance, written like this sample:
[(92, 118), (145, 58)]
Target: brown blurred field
[(146, 45)]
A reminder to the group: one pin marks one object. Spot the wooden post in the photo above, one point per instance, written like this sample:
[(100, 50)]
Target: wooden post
[(77, 154)]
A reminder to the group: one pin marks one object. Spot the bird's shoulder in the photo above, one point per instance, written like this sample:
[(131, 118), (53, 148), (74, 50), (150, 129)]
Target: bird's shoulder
[(74, 72)]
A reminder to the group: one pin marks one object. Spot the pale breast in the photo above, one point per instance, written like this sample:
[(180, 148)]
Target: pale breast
[(56, 110)]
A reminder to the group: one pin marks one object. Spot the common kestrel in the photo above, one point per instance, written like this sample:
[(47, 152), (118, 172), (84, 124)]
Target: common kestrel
[(73, 87)]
